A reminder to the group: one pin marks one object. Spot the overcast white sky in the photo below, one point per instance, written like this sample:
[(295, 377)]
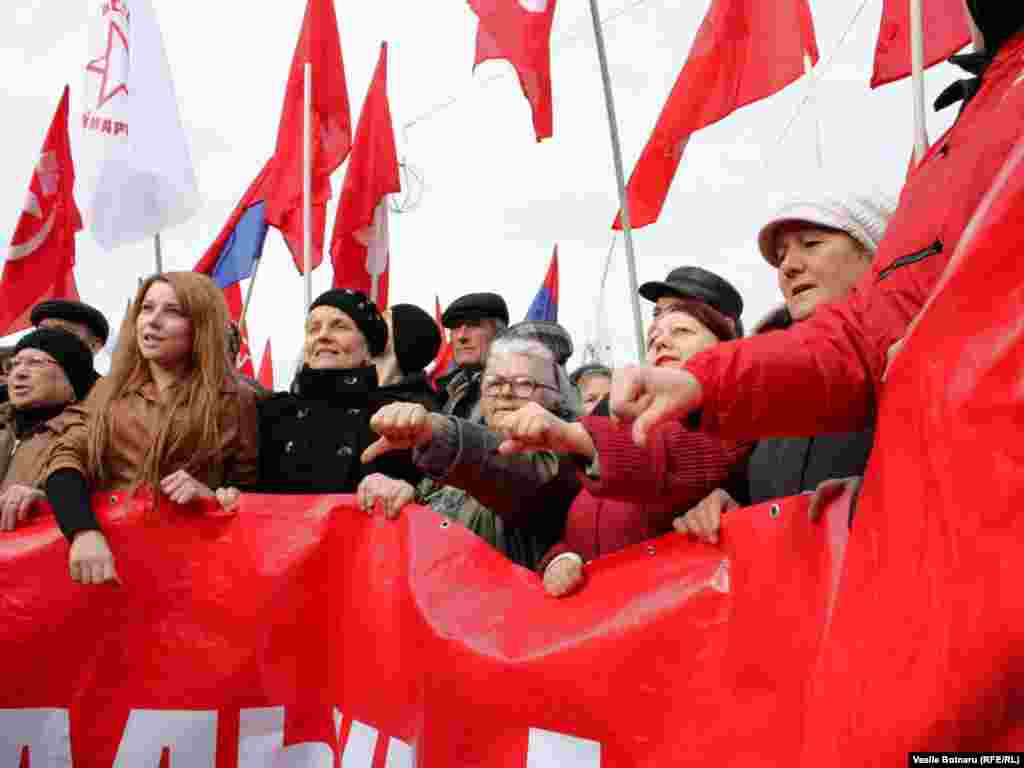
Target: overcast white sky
[(494, 201)]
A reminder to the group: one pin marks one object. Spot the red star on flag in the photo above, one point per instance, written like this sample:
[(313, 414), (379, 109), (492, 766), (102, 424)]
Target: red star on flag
[(101, 66)]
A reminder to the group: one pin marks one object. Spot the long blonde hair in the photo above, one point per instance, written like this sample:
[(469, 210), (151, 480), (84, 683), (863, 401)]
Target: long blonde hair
[(198, 435)]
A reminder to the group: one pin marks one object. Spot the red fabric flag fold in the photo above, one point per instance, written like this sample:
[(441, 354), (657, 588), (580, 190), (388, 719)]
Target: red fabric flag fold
[(519, 31), (945, 33), (359, 243), (41, 256), (445, 354), (266, 377), (320, 45), (745, 50)]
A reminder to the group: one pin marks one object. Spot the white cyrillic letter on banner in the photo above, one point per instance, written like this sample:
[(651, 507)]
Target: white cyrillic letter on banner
[(400, 755), (261, 739), (191, 737), (549, 749), (362, 741), (46, 733)]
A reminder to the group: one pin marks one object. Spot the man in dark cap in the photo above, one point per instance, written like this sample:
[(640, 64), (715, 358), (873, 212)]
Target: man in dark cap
[(593, 381), (474, 320), (84, 321)]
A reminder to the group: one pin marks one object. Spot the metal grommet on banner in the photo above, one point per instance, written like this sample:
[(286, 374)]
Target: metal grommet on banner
[(650, 549), (445, 523), (775, 511), (113, 499)]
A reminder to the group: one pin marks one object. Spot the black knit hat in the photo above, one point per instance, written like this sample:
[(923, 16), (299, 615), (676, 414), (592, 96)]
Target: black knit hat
[(415, 337), (73, 312), (70, 353), (998, 20), (364, 314)]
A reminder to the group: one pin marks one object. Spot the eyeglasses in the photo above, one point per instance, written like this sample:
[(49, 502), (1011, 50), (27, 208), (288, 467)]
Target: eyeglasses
[(521, 386), (32, 363)]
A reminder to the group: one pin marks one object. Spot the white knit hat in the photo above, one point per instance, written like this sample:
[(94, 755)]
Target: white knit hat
[(862, 216)]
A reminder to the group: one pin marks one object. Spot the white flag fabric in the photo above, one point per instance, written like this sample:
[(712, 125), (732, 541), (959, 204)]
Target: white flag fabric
[(134, 161)]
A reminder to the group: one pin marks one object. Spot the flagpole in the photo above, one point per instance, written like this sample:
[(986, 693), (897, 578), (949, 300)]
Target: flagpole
[(819, 139), (307, 187), (620, 177), (917, 62), (159, 254), (248, 295)]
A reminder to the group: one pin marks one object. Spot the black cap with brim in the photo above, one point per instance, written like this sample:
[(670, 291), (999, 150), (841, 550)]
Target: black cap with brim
[(475, 306), (72, 312), (699, 284)]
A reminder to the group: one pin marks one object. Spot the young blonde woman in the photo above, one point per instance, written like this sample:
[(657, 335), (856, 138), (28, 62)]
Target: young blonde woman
[(170, 416)]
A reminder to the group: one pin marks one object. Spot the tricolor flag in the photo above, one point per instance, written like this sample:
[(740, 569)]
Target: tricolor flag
[(320, 45), (745, 50), (945, 33), (545, 303), (42, 251), (519, 31), (360, 243), (135, 162)]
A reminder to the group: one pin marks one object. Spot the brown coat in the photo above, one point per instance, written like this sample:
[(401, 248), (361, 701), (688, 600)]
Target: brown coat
[(136, 417), (26, 463)]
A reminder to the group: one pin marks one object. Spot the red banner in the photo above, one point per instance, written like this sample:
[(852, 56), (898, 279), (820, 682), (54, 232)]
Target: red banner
[(302, 631)]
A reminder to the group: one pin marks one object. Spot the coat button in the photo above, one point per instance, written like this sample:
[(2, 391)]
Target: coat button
[(354, 411), (302, 413), (351, 380), (345, 451), (289, 447)]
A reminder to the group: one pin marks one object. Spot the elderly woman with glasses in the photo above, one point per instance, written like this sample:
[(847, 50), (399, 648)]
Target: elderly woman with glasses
[(516, 503)]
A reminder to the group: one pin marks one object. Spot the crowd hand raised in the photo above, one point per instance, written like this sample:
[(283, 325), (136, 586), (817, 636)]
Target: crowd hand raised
[(650, 396), (181, 488), (827, 491), (90, 560), (15, 504), (399, 426), (705, 520), (534, 428), (564, 575), (391, 493)]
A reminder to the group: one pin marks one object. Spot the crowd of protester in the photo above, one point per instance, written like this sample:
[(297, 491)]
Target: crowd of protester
[(553, 469)]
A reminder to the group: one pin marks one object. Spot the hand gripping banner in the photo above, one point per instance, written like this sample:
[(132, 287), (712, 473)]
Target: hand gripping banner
[(302, 632)]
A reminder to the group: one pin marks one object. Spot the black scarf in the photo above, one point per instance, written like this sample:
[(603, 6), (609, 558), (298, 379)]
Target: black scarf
[(335, 383), (27, 421), (965, 90), (999, 21)]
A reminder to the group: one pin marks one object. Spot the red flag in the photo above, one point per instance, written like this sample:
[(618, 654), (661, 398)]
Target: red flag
[(233, 297), (266, 377), (445, 354), (745, 50), (359, 244), (41, 256), (519, 31), (945, 32), (320, 45)]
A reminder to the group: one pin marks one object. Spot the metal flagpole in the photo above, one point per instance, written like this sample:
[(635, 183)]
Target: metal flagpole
[(620, 177), (307, 187), (917, 62), (159, 254)]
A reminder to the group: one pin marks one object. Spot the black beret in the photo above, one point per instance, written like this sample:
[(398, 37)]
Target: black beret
[(70, 353), (73, 312), (415, 337), (364, 314), (475, 306), (700, 284), (590, 369)]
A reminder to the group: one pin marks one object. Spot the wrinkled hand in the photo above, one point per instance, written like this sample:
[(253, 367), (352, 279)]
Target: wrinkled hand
[(181, 488), (651, 396), (90, 560), (705, 520), (228, 498), (563, 576), (534, 428), (399, 426), (391, 493), (828, 490), (15, 504)]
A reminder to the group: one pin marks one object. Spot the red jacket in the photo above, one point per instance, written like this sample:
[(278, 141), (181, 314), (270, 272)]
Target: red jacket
[(641, 490), (824, 374)]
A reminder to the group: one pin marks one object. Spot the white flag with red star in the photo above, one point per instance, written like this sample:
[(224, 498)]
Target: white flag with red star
[(135, 167)]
